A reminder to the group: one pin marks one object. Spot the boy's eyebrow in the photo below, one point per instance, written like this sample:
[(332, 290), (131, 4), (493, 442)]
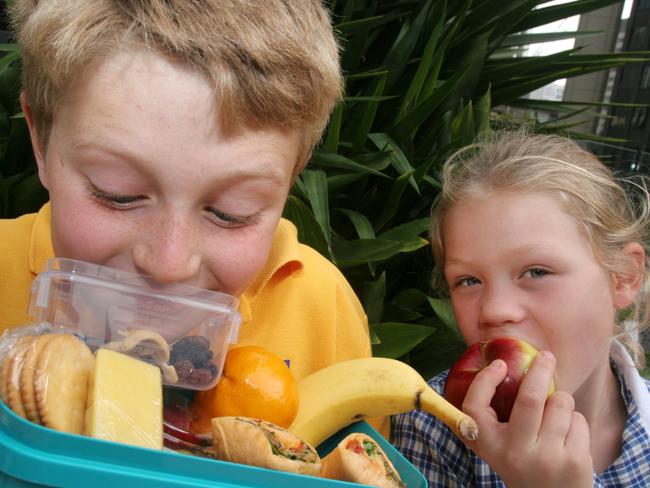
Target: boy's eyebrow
[(269, 172)]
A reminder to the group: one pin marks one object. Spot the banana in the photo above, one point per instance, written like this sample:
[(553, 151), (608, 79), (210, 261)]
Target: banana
[(348, 391)]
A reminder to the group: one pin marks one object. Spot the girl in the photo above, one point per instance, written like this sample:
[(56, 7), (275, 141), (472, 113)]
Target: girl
[(534, 238)]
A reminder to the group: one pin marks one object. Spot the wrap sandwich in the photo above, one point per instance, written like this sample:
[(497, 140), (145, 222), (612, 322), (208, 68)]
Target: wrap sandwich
[(259, 443), (358, 458)]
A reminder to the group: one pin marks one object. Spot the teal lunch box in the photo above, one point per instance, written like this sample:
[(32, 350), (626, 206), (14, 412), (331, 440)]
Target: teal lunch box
[(35, 456)]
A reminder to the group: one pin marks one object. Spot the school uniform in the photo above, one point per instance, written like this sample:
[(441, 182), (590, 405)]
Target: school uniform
[(446, 462)]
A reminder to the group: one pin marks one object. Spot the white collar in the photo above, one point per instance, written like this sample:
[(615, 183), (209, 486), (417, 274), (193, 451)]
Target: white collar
[(633, 381)]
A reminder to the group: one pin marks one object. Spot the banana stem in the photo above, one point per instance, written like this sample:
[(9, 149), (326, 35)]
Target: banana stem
[(459, 422)]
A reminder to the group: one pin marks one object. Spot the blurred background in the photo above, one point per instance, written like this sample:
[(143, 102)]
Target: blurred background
[(424, 78)]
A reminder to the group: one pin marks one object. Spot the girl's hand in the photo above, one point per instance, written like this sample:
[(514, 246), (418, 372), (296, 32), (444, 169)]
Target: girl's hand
[(545, 443)]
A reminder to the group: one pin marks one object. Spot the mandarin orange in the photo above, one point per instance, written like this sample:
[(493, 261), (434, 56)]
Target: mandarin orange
[(255, 383)]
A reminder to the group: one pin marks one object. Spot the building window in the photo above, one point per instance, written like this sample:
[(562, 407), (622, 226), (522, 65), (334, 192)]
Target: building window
[(645, 77), (639, 38), (631, 75), (617, 121), (639, 116)]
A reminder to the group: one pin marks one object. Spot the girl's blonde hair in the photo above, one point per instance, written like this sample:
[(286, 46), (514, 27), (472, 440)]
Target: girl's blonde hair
[(271, 63), (611, 211)]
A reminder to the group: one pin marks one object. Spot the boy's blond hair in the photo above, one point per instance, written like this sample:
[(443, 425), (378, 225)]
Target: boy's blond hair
[(611, 211), (272, 63)]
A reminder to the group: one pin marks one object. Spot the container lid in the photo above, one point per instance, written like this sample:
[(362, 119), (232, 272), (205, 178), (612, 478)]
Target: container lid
[(108, 307), (124, 281)]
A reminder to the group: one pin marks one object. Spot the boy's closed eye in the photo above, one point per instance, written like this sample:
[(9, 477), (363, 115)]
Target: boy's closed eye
[(225, 219), (127, 202), (114, 200)]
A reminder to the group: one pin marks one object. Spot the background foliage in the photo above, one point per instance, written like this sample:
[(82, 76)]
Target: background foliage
[(423, 78)]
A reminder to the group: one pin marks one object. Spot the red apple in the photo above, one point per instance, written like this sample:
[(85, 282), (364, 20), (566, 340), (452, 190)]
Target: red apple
[(517, 355)]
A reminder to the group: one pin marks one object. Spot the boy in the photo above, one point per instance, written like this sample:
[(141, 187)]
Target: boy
[(168, 134)]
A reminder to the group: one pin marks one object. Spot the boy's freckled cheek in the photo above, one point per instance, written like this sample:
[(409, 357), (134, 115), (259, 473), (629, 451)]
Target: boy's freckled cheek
[(81, 241)]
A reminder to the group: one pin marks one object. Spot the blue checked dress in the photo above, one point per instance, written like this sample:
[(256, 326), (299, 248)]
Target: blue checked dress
[(446, 462)]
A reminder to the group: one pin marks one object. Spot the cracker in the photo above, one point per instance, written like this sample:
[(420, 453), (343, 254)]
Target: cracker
[(61, 383), (27, 393), (12, 375), (4, 372)]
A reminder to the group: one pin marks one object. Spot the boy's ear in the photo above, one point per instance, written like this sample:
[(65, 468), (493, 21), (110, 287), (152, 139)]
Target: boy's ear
[(33, 134), (628, 283)]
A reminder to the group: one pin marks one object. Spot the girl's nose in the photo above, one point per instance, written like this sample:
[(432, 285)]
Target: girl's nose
[(168, 254), (500, 305)]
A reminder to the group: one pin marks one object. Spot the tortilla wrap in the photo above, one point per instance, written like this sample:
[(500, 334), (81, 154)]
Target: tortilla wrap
[(358, 458), (259, 443)]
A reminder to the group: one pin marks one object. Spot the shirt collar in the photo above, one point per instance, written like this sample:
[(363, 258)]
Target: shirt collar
[(40, 246), (631, 381), (285, 254)]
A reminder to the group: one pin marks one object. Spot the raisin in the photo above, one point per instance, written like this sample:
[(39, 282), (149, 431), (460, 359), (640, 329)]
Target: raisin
[(194, 348), (184, 370), (201, 376), (202, 359)]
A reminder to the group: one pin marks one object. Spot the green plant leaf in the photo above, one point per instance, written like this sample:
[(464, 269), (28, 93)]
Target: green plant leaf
[(367, 118), (360, 251), (482, 113), (374, 293), (409, 231), (315, 182), (390, 207), (337, 161), (550, 14), (331, 143), (361, 223), (443, 310), (462, 127), (527, 39), (405, 43), (309, 230), (397, 339), (429, 64), (397, 158)]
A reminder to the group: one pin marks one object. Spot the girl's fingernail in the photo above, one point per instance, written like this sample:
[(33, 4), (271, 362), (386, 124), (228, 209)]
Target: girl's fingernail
[(498, 364)]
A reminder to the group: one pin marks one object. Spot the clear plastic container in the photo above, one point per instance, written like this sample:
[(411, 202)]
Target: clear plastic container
[(182, 329)]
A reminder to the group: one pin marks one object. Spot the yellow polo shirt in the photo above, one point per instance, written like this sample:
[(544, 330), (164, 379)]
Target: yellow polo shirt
[(300, 306)]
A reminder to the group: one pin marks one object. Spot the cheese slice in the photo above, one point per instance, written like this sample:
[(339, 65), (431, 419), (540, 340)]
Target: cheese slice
[(124, 400)]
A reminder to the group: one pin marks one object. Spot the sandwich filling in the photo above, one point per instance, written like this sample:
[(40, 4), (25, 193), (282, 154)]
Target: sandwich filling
[(375, 455), (285, 445)]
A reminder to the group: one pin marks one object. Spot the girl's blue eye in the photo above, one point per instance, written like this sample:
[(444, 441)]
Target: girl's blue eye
[(536, 272), (469, 281)]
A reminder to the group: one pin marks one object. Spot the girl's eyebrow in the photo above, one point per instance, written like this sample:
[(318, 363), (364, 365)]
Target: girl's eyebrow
[(452, 260), (539, 248)]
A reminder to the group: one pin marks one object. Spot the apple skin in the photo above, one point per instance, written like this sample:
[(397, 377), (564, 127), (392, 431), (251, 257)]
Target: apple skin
[(517, 355)]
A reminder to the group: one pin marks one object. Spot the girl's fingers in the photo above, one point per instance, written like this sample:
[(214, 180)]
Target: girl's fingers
[(557, 420), (480, 392), (528, 410), (477, 405), (578, 438)]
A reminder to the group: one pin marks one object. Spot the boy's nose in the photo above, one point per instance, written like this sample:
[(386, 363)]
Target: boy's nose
[(168, 255), (500, 306)]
